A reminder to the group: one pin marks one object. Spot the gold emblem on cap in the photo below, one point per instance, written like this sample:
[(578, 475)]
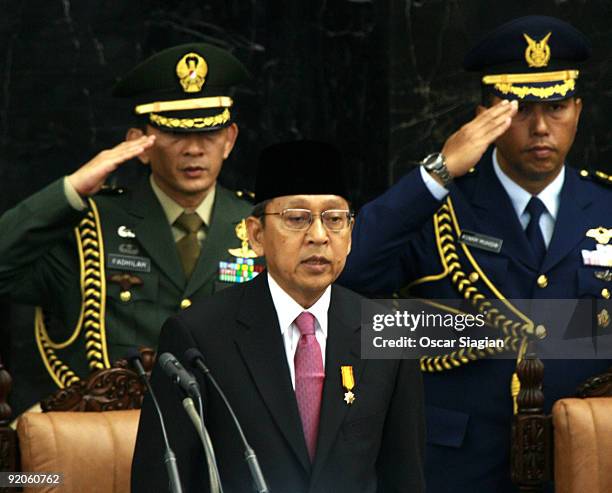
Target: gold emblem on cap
[(191, 71), (537, 53), (601, 235), (348, 382), (245, 250), (603, 318)]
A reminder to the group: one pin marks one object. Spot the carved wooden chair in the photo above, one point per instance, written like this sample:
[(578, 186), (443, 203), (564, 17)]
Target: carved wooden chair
[(86, 431), (572, 446)]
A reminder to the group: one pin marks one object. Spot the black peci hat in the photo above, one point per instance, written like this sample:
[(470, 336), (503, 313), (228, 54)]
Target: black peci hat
[(533, 58), (302, 167), (184, 88)]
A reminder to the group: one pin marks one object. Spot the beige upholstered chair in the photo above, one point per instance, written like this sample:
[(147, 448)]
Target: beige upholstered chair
[(573, 446), (583, 445), (87, 432), (92, 450)]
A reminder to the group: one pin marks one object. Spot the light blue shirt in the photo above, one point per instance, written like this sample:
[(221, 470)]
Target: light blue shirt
[(519, 197)]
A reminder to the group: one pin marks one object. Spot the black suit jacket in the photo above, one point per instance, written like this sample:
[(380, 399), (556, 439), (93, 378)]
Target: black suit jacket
[(375, 444)]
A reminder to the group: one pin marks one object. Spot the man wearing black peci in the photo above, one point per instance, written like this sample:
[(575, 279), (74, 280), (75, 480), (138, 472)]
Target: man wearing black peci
[(285, 348)]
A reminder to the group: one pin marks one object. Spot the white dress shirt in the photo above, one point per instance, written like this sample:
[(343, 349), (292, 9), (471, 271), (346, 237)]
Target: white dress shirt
[(287, 310), (519, 197)]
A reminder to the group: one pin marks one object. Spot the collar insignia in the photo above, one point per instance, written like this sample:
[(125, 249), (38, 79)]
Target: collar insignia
[(537, 53), (191, 71), (125, 232)]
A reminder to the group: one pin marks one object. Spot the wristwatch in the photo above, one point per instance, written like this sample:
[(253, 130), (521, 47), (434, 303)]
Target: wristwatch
[(436, 163)]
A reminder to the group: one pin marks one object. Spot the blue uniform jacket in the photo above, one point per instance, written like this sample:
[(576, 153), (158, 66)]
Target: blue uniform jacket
[(396, 243)]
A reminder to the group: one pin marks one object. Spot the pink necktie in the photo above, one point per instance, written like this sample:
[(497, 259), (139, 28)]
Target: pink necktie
[(309, 376)]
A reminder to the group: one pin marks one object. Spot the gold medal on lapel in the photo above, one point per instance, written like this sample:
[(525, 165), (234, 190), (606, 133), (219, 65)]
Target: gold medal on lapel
[(348, 382)]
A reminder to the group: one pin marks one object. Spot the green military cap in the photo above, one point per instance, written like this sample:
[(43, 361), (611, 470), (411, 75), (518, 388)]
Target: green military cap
[(184, 88)]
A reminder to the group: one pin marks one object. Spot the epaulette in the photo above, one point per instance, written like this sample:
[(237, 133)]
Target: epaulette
[(246, 195), (598, 176), (111, 190)]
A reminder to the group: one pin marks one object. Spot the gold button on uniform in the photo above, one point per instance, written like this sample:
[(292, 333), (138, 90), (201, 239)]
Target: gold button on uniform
[(540, 332), (186, 303), (125, 296), (542, 281), (584, 173), (474, 277), (605, 292)]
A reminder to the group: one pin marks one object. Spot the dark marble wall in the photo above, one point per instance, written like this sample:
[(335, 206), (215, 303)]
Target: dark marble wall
[(382, 79), (317, 67), (430, 95)]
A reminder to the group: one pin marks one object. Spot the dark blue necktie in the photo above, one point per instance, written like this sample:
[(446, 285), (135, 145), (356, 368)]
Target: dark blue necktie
[(536, 208)]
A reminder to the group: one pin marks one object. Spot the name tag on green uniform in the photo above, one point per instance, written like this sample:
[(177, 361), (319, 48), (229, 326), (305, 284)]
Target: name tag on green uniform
[(484, 242), (128, 262)]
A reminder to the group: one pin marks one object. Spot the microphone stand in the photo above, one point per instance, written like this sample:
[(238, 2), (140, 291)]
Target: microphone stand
[(189, 385), (198, 423), (169, 457), (197, 360)]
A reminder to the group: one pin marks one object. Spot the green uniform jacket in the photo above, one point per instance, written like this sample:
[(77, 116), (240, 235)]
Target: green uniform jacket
[(39, 265)]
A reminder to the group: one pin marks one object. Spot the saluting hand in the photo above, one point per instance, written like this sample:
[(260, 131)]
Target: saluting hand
[(90, 177), (465, 147)]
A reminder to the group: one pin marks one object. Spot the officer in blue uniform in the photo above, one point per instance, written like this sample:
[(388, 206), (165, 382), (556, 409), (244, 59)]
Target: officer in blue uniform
[(497, 214)]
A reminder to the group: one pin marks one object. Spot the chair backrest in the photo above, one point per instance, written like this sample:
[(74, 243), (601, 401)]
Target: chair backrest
[(87, 431), (583, 445), (93, 451), (573, 446)]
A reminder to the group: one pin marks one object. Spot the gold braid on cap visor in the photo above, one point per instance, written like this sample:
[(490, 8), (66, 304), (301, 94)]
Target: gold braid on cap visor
[(187, 104), (505, 83), (209, 121)]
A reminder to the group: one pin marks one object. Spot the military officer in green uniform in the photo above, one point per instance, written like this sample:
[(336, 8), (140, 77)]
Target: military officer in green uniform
[(109, 266)]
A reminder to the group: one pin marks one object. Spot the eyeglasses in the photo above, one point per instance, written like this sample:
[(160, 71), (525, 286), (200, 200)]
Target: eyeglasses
[(300, 219)]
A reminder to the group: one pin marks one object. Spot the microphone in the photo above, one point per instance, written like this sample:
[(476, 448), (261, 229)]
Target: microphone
[(133, 357), (196, 360), (179, 375)]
